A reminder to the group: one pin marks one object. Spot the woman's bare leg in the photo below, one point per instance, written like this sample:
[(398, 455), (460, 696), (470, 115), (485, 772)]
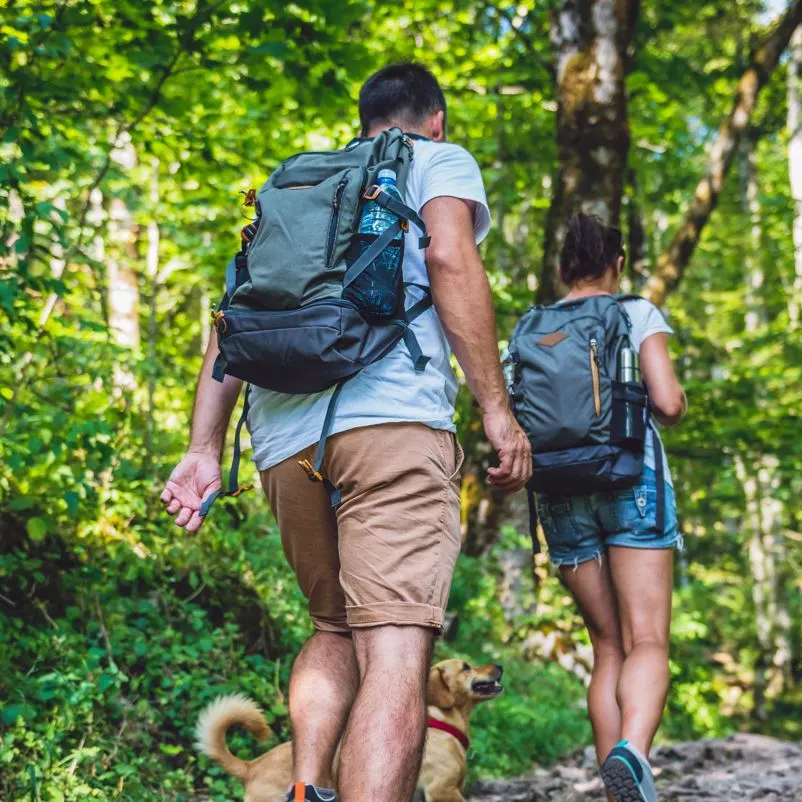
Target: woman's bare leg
[(591, 586), (642, 579)]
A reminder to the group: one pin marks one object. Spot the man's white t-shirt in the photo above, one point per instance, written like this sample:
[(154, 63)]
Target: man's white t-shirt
[(647, 320), (389, 390)]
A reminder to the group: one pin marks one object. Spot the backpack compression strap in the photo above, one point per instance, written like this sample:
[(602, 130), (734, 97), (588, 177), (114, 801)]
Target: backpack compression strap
[(314, 470), (532, 502), (234, 488), (236, 274), (404, 214), (660, 474), (410, 340)]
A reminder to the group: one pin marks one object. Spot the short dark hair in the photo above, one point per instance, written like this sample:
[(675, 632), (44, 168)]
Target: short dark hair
[(406, 92), (590, 247)]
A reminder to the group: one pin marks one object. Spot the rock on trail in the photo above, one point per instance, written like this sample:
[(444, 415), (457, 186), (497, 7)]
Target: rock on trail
[(736, 769)]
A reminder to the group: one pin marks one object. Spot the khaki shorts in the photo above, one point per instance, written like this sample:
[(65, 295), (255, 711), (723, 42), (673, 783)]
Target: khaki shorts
[(387, 554)]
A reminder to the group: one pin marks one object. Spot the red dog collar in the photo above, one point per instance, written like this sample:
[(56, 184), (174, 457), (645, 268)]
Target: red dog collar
[(436, 724)]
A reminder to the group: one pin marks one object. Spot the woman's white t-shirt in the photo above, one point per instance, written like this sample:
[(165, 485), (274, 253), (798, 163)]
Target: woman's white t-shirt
[(647, 320)]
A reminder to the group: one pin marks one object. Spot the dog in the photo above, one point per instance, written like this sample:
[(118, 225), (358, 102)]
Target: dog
[(453, 689)]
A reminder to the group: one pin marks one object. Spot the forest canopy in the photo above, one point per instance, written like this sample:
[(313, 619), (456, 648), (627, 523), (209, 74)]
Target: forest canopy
[(129, 132)]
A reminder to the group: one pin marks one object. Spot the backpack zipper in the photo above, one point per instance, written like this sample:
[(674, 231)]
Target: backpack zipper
[(594, 372), (335, 219)]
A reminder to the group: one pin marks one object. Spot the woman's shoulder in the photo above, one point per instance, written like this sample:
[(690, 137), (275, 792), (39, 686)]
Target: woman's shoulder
[(646, 318)]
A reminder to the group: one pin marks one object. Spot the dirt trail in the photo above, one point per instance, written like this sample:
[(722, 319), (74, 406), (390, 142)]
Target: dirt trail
[(737, 769)]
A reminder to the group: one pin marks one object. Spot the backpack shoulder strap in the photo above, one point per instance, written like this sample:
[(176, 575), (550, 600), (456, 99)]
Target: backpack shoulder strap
[(234, 487), (660, 477)]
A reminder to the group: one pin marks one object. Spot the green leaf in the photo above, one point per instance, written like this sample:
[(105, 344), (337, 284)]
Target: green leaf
[(36, 528)]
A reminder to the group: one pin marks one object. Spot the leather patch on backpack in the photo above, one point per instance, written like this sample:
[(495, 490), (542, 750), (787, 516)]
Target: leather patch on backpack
[(550, 340)]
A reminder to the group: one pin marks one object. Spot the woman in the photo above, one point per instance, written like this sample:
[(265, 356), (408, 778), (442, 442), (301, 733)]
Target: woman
[(611, 555)]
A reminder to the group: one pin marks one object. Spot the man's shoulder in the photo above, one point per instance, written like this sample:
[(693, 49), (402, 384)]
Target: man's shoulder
[(426, 150)]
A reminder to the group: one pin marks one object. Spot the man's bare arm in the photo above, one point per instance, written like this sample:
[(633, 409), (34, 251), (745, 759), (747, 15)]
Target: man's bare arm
[(214, 403), (464, 304), (198, 473)]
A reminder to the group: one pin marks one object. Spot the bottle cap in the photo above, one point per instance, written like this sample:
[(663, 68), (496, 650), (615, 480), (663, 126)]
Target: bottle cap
[(387, 175)]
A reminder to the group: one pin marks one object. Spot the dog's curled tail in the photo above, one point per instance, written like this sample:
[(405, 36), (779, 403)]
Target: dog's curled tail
[(215, 721)]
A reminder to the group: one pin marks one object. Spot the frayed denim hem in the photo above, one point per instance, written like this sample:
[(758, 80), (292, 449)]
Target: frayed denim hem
[(597, 555), (678, 544)]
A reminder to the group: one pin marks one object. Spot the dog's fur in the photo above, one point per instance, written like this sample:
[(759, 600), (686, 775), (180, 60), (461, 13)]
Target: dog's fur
[(453, 689)]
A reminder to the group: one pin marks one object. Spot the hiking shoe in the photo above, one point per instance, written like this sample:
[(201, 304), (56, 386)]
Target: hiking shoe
[(628, 776), (310, 793)]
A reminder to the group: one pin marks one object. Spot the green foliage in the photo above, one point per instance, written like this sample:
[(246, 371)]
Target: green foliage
[(123, 121)]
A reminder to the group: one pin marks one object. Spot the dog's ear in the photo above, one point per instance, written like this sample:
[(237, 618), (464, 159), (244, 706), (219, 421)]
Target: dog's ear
[(437, 691)]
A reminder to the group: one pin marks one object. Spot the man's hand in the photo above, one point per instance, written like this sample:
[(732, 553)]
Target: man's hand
[(193, 479), (514, 450)]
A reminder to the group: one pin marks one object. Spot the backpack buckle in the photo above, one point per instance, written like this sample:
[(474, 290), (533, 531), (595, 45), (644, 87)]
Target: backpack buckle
[(371, 193), (314, 476), (218, 318)]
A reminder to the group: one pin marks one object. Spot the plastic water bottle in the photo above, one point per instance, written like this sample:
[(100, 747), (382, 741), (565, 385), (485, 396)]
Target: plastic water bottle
[(377, 291)]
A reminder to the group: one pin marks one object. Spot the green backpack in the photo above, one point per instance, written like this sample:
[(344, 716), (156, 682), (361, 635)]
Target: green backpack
[(287, 321)]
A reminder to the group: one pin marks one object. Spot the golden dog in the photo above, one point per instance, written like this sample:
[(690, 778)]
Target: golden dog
[(453, 689)]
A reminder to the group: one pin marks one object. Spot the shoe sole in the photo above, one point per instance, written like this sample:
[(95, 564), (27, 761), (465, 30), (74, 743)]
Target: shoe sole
[(620, 782)]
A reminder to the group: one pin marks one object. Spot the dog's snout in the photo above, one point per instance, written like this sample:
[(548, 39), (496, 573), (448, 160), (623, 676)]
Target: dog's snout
[(499, 670)]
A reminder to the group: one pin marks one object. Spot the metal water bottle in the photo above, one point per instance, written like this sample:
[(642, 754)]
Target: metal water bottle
[(508, 369), (628, 365)]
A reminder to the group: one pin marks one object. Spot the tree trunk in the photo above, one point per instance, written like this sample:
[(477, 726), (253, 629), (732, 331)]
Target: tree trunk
[(761, 481), (755, 316), (636, 231), (795, 168), (152, 272), (760, 584), (673, 262), (591, 40), (123, 284)]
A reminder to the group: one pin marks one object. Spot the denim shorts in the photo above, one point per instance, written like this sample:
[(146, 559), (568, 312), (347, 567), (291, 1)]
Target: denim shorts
[(579, 528)]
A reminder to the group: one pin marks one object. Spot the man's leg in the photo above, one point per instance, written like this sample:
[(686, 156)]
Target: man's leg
[(324, 676), (399, 540), (643, 580), (322, 689), (383, 743)]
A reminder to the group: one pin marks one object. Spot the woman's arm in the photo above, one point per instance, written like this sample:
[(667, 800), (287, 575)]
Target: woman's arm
[(665, 392)]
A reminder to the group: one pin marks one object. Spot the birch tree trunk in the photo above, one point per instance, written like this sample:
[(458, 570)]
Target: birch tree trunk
[(760, 583), (795, 168), (123, 284), (591, 39), (152, 273), (760, 480)]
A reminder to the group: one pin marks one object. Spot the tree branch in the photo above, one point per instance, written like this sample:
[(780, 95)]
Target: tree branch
[(673, 262), (525, 39)]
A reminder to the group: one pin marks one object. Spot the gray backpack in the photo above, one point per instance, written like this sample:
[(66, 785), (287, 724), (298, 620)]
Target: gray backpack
[(288, 321), (587, 429)]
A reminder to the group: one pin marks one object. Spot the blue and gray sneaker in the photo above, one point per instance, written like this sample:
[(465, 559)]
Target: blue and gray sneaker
[(628, 776)]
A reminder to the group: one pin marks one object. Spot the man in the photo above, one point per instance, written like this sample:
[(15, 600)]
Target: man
[(377, 571)]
